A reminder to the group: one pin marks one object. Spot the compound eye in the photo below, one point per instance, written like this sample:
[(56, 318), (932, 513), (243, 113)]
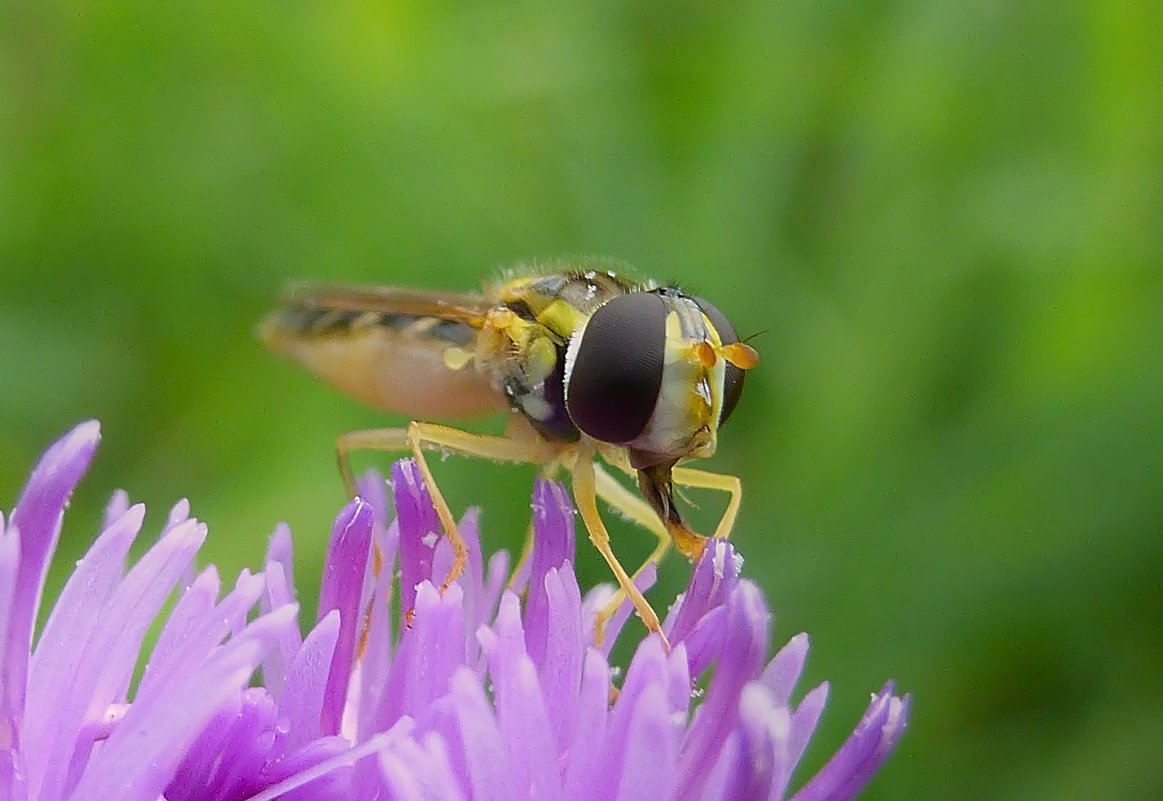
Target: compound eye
[(613, 381), (733, 378)]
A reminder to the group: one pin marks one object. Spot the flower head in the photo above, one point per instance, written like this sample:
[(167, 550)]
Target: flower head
[(396, 690)]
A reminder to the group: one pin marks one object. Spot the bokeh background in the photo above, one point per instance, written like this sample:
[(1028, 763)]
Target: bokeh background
[(944, 218)]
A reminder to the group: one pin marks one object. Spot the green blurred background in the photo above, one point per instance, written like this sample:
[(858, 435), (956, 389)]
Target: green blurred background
[(944, 216)]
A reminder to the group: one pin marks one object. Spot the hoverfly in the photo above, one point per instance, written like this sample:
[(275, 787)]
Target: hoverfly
[(588, 364)]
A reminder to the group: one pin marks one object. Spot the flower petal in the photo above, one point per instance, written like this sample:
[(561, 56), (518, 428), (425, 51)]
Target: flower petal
[(741, 653), (419, 529), (583, 764), (711, 583), (520, 704), (110, 651), (117, 506), (803, 723), (648, 763), (35, 525), (343, 576), (427, 656), (419, 772), (783, 671), (486, 756), (559, 666), (139, 759), (874, 739), (648, 672), (58, 656), (307, 679)]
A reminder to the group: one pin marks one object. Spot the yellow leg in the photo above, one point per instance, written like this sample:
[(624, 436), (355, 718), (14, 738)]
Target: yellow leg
[(698, 479), (585, 493), (702, 479), (525, 556), (636, 510), (415, 438)]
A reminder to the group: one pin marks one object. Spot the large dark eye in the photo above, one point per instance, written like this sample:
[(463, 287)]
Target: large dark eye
[(612, 388), (733, 379)]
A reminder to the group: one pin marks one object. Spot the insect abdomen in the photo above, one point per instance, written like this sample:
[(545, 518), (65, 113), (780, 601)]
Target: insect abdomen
[(402, 363)]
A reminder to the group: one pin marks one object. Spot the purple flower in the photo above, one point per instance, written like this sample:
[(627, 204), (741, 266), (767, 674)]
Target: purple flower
[(395, 691)]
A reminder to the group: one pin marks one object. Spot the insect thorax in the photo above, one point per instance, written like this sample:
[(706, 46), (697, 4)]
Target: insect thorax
[(528, 334)]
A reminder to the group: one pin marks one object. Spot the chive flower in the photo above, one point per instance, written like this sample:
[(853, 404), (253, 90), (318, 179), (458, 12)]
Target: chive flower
[(495, 689)]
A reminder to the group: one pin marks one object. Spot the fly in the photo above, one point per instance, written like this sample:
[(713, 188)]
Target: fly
[(593, 368)]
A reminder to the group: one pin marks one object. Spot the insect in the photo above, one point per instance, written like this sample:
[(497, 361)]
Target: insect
[(592, 367)]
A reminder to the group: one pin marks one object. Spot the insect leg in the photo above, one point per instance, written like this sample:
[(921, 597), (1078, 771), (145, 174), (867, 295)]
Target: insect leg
[(418, 436), (688, 542), (585, 493), (636, 510), (703, 479), (525, 555)]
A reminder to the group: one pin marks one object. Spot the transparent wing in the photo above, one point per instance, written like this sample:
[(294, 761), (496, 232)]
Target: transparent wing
[(460, 307), (401, 350)]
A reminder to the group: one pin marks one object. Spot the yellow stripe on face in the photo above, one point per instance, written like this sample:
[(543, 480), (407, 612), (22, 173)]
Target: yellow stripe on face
[(687, 400)]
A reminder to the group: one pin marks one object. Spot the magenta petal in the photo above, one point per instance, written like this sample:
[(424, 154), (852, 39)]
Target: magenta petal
[(111, 649), (227, 761), (343, 576), (521, 712), (375, 662), (762, 768), (704, 642), (117, 506), (194, 605), (276, 664), (419, 529), (678, 682), (427, 656), (11, 771), (36, 523), (559, 666), (419, 771), (281, 550), (471, 581), (874, 739), (58, 658), (525, 728), (161, 725), (280, 590), (337, 784), (199, 768), (583, 767), (553, 545), (743, 645), (486, 753), (648, 762), (804, 720), (374, 489), (38, 512), (302, 704), (723, 781), (190, 640), (783, 671), (648, 672), (711, 584), (553, 530)]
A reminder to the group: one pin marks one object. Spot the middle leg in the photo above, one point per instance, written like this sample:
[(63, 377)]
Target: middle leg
[(415, 438)]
